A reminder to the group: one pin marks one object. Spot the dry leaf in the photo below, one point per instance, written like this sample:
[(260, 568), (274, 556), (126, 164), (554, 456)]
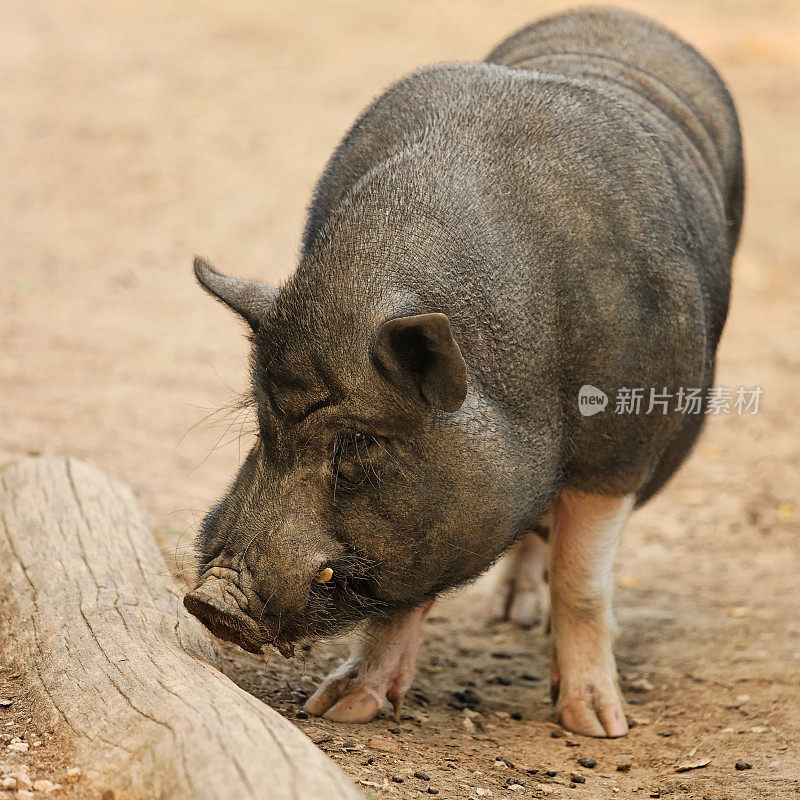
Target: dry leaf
[(690, 765)]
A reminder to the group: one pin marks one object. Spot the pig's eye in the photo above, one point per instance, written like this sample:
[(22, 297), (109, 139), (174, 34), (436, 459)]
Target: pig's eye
[(352, 445), (353, 456)]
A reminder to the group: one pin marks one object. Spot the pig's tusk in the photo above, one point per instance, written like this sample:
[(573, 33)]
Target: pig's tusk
[(324, 575)]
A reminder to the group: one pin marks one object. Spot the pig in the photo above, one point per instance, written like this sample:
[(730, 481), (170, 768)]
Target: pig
[(487, 239)]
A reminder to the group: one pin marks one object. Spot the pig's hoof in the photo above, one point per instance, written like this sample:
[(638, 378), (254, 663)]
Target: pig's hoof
[(344, 704), (593, 714), (527, 605), (345, 696)]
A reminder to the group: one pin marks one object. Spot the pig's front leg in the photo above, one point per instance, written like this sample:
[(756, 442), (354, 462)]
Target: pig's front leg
[(381, 668), (583, 545)]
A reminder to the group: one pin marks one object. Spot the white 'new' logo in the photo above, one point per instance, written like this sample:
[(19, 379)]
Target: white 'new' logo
[(591, 400)]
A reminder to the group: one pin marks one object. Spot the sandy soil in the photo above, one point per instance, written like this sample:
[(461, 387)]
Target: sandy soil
[(134, 135)]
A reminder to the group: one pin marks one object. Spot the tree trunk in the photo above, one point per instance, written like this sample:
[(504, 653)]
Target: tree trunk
[(90, 617)]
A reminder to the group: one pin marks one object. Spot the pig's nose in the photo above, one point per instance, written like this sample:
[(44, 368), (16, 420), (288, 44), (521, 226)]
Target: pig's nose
[(224, 619)]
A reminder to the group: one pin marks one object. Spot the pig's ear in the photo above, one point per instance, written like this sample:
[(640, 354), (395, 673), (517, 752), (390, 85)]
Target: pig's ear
[(249, 299), (420, 351)]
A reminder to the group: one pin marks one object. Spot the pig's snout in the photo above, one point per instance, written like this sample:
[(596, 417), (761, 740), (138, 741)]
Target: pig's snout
[(213, 604)]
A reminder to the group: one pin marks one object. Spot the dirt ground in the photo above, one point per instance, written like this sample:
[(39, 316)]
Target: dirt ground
[(135, 135)]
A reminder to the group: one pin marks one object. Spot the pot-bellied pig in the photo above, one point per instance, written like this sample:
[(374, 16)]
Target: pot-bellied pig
[(487, 239)]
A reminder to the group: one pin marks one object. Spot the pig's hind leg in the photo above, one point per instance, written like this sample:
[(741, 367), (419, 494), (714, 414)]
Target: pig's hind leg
[(583, 544), (522, 594), (381, 668)]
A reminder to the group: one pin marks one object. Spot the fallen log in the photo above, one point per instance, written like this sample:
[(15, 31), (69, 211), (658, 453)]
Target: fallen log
[(116, 667)]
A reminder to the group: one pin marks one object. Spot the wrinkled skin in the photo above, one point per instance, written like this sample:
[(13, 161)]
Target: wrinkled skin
[(486, 239)]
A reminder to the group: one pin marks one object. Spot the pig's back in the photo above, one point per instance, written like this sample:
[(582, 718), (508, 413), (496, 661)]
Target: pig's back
[(631, 53)]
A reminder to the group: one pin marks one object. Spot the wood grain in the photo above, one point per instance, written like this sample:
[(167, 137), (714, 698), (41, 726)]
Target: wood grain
[(90, 616)]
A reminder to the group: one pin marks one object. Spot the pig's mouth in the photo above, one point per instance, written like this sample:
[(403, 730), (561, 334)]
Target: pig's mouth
[(232, 625)]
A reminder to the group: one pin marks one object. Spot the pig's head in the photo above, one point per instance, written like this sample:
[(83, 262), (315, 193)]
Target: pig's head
[(355, 497)]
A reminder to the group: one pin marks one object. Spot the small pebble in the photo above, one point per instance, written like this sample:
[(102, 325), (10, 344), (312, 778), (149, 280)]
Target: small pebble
[(8, 784), (589, 763), (6, 703), (73, 774), (300, 714), (623, 767), (740, 765), (516, 716), (467, 698), (22, 778), (422, 776), (577, 778), (526, 676), (504, 760), (44, 786), (397, 779), (431, 790), (551, 773), (557, 734), (502, 654)]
